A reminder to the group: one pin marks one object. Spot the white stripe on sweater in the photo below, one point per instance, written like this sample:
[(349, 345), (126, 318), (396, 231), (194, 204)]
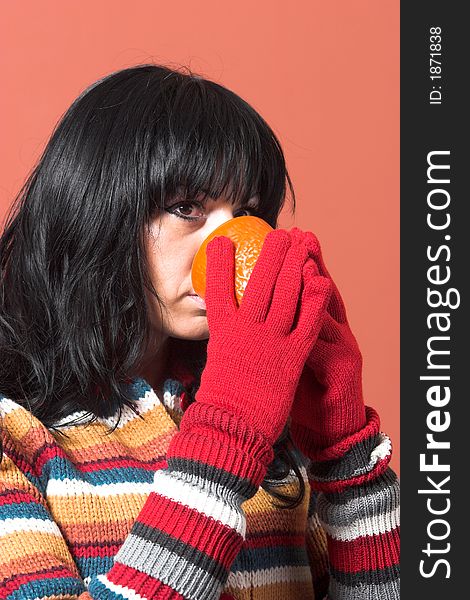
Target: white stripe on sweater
[(143, 405), (384, 591), (275, 575), (364, 527), (121, 590), (175, 571), (23, 524), (173, 485), (381, 451), (8, 406), (66, 488)]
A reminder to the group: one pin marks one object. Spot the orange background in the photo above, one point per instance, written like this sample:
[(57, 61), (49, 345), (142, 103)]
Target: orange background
[(325, 75)]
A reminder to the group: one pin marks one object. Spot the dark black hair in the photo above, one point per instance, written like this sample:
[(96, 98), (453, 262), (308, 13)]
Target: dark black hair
[(73, 327)]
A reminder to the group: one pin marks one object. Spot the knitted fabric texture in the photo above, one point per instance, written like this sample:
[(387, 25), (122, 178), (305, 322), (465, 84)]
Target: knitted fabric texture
[(99, 515)]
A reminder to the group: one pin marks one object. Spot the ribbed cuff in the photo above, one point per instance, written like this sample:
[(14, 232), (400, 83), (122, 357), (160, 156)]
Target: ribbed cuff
[(188, 553), (362, 525), (339, 449), (220, 447), (364, 462)]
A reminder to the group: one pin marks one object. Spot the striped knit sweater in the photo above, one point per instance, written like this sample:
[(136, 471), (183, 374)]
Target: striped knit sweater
[(155, 510)]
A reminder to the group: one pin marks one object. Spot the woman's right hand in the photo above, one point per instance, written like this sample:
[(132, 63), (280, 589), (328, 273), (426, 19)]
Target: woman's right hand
[(256, 352)]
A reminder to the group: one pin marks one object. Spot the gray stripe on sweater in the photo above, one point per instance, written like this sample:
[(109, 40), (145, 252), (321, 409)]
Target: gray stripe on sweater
[(359, 491), (364, 578), (382, 501), (176, 546), (384, 591), (170, 567), (355, 462), (214, 477)]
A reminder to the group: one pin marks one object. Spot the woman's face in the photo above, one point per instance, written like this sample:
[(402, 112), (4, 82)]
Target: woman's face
[(171, 247)]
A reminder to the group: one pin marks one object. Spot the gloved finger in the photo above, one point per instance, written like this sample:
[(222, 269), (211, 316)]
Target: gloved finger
[(259, 289), (331, 331), (336, 308), (288, 289), (313, 310), (336, 344), (220, 276), (309, 271)]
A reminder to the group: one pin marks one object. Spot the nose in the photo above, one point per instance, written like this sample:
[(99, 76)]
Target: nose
[(216, 218)]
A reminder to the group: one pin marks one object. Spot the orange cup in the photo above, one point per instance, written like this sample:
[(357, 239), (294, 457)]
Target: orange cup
[(248, 234)]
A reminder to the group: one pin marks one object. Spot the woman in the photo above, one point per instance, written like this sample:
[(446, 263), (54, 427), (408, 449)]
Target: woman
[(144, 434)]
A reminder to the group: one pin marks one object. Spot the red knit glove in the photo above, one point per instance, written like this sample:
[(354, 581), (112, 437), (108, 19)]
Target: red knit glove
[(256, 352), (328, 409)]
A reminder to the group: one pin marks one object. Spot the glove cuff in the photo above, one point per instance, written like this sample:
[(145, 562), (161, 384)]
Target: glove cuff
[(362, 464), (308, 445), (215, 445)]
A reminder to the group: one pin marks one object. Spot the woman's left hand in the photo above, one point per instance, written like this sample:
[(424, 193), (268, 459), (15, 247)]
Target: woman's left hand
[(328, 406)]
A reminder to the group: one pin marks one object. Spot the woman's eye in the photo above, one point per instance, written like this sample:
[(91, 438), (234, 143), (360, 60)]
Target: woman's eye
[(181, 208), (249, 211), (183, 211), (185, 206)]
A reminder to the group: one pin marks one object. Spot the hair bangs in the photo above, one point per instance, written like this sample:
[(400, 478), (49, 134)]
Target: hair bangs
[(211, 143)]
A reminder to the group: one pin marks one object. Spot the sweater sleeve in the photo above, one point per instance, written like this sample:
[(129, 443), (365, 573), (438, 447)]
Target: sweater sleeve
[(181, 545), (35, 561), (316, 544), (357, 504)]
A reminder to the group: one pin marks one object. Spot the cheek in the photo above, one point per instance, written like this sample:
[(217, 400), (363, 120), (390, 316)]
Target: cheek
[(170, 271), (170, 253)]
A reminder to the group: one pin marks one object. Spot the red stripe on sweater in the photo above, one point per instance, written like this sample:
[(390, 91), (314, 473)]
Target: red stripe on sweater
[(370, 429), (8, 587), (187, 446), (90, 551), (121, 463), (50, 453), (365, 553), (143, 584), (281, 540), (341, 485), (194, 528), (14, 497)]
